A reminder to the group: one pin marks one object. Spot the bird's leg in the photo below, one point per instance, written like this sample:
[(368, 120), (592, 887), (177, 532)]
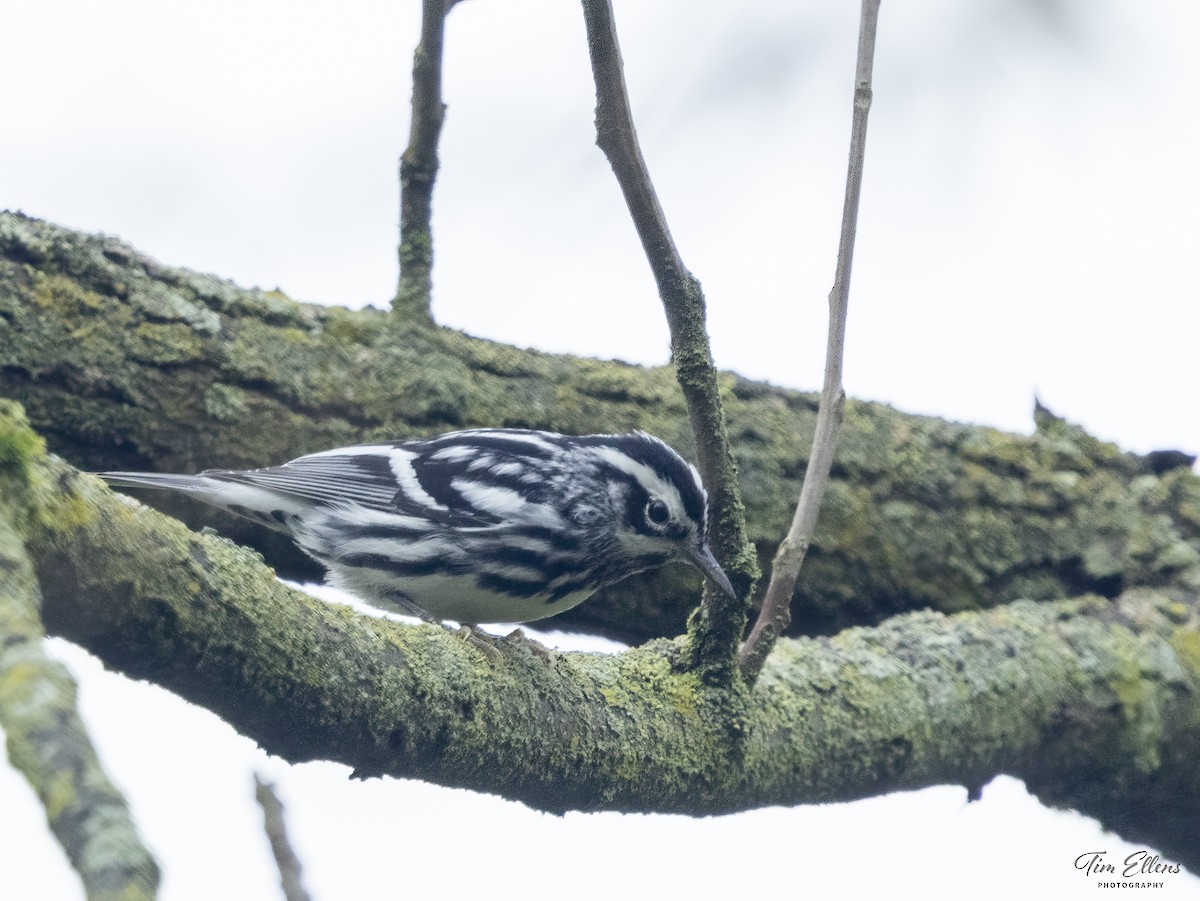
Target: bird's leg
[(514, 639), (486, 642), (407, 605)]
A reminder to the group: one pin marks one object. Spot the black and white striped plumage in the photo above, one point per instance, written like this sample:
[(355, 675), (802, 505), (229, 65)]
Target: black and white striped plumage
[(489, 525)]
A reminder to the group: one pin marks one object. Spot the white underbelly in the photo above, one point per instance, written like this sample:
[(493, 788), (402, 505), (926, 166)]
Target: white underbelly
[(456, 598)]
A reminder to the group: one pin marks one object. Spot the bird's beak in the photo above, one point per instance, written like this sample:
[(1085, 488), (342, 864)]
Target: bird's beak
[(704, 559)]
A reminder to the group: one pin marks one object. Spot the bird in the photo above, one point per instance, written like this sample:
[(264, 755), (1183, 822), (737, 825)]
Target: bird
[(485, 525)]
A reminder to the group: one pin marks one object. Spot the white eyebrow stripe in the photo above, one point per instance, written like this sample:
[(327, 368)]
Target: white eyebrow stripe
[(654, 484)]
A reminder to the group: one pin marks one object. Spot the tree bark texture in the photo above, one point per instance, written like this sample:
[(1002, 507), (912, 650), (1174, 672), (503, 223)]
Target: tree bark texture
[(1086, 685), (123, 363), (1095, 703), (45, 738)]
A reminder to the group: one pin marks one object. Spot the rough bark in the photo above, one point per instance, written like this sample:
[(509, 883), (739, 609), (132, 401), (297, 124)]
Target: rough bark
[(46, 739), (1095, 703), (123, 363)]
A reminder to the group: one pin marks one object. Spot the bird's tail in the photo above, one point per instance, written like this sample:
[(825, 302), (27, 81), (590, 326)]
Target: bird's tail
[(268, 508), (186, 484)]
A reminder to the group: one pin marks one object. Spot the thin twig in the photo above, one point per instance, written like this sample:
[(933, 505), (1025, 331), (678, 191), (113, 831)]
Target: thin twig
[(715, 633), (419, 168), (281, 848), (776, 614)]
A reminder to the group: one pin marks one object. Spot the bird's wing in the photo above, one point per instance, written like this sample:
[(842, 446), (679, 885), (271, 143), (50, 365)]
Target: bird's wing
[(480, 477), (470, 479), (353, 475)]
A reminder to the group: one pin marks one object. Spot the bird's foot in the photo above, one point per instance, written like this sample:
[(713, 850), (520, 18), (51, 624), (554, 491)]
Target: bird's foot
[(520, 639), (490, 644), (495, 644)]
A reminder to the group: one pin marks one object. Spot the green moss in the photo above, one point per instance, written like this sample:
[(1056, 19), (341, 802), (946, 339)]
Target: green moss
[(163, 304), (58, 794), (295, 336), (247, 355), (995, 450), (1179, 555), (19, 444), (64, 296), (1188, 505), (67, 511), (343, 327), (1105, 558), (1186, 643), (920, 511), (626, 384), (1137, 695), (225, 402), (165, 343)]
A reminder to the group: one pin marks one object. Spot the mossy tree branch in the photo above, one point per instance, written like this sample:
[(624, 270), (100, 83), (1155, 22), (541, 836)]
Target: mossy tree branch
[(123, 363), (716, 631), (1094, 703), (46, 739)]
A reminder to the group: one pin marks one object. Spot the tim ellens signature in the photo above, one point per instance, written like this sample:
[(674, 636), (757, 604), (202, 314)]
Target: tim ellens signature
[(1139, 863)]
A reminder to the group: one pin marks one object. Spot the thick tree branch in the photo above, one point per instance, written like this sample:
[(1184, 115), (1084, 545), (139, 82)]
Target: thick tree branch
[(1095, 703), (775, 615), (46, 739), (419, 167), (123, 363), (717, 630)]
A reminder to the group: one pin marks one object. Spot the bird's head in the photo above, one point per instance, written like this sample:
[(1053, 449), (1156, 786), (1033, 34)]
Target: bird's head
[(658, 508)]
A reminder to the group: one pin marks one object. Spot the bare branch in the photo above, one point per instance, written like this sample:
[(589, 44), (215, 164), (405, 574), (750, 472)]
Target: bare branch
[(716, 631), (281, 848), (46, 739), (775, 615), (419, 167)]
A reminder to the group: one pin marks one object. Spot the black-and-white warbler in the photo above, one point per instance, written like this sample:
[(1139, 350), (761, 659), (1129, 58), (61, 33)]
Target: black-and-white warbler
[(481, 526)]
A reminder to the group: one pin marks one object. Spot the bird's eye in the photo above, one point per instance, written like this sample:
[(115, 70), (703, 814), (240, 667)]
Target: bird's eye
[(657, 512)]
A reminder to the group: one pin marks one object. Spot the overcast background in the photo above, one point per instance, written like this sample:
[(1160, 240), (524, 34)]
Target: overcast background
[(1029, 225)]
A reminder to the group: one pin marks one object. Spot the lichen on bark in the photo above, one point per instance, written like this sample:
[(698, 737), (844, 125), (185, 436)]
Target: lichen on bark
[(1082, 678), (1094, 702), (45, 738), (921, 513)]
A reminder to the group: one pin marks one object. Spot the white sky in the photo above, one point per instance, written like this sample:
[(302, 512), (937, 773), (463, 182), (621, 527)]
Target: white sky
[(1029, 223)]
